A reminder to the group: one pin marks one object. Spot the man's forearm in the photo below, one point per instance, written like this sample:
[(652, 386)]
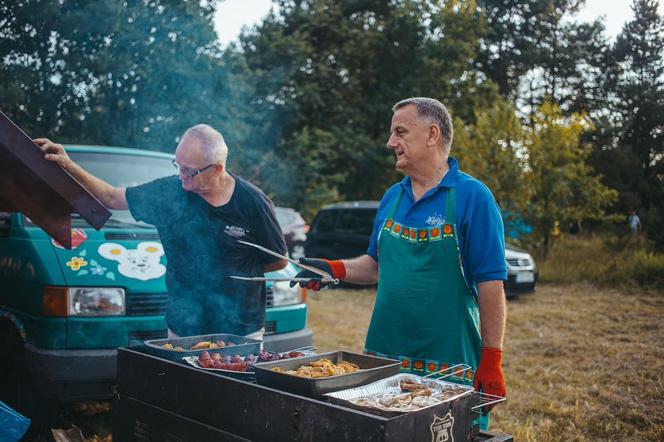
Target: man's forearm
[(111, 197), (274, 266), (361, 270), (492, 313)]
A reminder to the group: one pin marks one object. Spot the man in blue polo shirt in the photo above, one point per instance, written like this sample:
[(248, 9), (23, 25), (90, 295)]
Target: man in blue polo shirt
[(438, 254)]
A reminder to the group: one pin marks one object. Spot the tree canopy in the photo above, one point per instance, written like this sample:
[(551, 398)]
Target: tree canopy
[(547, 111)]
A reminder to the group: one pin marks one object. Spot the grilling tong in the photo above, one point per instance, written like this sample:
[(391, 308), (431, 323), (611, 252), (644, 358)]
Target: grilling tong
[(326, 276)]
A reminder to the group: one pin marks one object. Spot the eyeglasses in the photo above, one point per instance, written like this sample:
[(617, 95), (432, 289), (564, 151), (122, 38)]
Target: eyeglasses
[(189, 172)]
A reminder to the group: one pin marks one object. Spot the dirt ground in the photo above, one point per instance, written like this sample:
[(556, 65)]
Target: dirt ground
[(581, 364)]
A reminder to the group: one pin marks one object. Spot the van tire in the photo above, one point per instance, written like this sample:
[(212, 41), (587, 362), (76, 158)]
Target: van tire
[(17, 387)]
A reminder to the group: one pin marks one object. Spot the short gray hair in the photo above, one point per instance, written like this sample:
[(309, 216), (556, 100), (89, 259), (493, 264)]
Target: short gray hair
[(212, 142), (433, 111)]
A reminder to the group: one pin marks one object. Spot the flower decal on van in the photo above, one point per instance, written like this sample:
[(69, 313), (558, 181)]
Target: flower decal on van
[(76, 263)]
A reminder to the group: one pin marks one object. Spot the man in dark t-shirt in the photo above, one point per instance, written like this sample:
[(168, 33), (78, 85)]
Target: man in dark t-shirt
[(200, 215)]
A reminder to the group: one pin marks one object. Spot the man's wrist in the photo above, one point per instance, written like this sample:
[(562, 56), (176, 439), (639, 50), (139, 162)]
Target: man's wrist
[(492, 356), (338, 268)]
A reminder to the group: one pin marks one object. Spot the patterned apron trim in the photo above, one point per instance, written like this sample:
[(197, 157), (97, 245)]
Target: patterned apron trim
[(423, 367), (415, 235)]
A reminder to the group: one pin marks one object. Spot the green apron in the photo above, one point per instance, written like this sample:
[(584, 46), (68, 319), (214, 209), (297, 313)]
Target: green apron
[(426, 315)]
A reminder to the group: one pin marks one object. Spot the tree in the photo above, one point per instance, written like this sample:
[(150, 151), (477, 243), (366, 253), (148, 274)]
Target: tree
[(108, 72), (492, 149), (631, 154), (534, 51), (331, 71), (560, 184)]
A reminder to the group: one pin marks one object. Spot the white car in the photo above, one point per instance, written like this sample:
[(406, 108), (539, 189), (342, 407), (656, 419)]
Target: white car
[(521, 272)]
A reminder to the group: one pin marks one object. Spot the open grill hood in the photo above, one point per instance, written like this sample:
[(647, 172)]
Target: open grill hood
[(41, 189)]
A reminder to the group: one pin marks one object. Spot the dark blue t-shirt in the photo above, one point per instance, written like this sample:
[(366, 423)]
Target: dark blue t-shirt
[(200, 242)]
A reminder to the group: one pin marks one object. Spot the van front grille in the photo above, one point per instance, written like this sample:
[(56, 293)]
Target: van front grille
[(146, 304), (520, 262)]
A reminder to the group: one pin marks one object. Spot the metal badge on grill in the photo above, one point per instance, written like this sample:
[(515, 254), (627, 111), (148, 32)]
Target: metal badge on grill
[(441, 428)]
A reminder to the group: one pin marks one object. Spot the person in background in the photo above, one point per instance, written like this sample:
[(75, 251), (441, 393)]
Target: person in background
[(634, 222), (437, 252), (200, 214)]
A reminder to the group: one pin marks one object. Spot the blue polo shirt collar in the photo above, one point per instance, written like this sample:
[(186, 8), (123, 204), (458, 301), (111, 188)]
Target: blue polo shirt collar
[(448, 181)]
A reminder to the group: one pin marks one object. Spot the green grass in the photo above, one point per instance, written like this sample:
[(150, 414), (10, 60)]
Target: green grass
[(605, 261), (581, 363)]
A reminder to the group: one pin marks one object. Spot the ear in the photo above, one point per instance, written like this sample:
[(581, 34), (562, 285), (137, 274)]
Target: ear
[(112, 251), (151, 248), (219, 169), (434, 135)]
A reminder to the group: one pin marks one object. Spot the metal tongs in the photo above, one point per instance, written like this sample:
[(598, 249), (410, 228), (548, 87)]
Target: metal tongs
[(326, 276)]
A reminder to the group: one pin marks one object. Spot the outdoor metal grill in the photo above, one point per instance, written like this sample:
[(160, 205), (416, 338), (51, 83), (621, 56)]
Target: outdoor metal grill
[(159, 400)]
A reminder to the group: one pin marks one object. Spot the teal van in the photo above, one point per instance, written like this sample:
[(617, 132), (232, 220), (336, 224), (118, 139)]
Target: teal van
[(63, 313)]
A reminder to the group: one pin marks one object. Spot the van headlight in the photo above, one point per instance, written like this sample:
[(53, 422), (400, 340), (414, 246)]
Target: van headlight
[(283, 294), (96, 301)]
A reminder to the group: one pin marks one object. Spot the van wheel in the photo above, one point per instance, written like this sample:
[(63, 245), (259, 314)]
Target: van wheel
[(17, 387)]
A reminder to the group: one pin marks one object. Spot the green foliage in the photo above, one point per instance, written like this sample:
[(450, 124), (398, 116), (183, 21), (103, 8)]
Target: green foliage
[(538, 174), (305, 99), (535, 51), (492, 150), (630, 153), (561, 186), (133, 73), (332, 71)]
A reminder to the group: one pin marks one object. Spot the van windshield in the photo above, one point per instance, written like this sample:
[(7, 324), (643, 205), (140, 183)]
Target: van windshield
[(120, 171)]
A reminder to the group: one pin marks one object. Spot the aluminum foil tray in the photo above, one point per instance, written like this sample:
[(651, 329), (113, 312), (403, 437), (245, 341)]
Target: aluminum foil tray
[(371, 369), (391, 386)]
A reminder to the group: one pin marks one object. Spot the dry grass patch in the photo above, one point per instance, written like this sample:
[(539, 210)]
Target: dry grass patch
[(581, 363)]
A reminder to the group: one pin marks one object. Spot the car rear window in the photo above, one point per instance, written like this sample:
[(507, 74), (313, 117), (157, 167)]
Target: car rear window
[(356, 221), (327, 221)]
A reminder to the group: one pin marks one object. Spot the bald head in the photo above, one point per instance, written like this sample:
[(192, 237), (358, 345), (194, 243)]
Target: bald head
[(210, 141)]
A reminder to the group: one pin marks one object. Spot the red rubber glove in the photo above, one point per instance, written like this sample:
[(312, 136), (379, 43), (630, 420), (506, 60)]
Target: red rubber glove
[(489, 376), (336, 269)]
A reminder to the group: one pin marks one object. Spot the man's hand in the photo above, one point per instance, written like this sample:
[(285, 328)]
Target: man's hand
[(54, 152), (489, 377), (336, 269)]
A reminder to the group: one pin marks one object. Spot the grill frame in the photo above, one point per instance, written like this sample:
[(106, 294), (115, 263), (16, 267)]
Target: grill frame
[(246, 411)]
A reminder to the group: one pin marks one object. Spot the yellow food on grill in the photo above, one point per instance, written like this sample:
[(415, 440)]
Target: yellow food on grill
[(321, 368), (201, 345)]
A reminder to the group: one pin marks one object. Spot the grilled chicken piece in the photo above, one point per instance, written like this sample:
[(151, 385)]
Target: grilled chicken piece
[(411, 386), (421, 392), (201, 345)]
